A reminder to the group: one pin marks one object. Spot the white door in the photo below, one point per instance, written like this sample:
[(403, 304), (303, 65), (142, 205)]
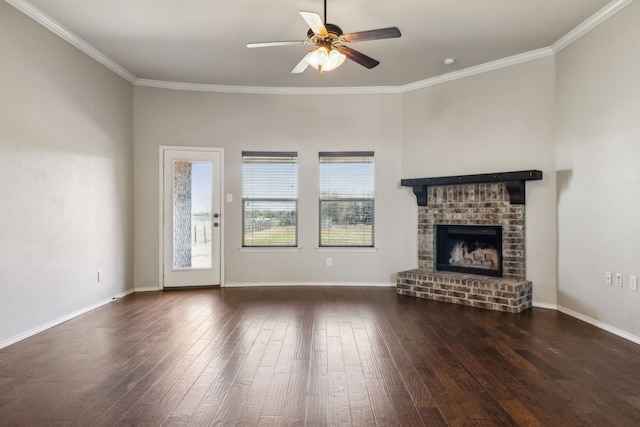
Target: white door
[(192, 217)]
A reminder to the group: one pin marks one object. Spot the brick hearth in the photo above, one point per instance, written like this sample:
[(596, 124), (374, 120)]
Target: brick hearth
[(492, 293)]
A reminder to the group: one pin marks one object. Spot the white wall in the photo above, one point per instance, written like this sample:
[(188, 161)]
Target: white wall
[(499, 121), (598, 163), (306, 124), (66, 132)]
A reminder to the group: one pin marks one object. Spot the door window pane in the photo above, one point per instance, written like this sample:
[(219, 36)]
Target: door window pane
[(192, 192)]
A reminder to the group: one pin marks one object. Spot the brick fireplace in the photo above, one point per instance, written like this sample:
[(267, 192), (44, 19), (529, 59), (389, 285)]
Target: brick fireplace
[(475, 202)]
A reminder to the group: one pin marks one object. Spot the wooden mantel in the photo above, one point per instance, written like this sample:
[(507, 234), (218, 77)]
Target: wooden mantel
[(515, 183)]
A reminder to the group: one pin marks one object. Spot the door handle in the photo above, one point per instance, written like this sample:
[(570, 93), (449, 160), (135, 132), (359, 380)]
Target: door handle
[(215, 224)]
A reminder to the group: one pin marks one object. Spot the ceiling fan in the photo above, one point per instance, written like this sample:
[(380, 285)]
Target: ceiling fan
[(330, 44)]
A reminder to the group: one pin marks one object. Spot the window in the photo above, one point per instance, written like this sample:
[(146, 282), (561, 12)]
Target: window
[(347, 199), (269, 199)]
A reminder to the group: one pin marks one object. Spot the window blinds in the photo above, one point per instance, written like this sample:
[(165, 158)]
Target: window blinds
[(347, 191), (270, 198)]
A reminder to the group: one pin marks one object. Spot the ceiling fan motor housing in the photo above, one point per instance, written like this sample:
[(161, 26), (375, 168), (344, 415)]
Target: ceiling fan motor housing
[(333, 30)]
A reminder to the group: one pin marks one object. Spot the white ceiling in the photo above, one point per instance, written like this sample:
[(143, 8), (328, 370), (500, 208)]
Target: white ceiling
[(204, 41)]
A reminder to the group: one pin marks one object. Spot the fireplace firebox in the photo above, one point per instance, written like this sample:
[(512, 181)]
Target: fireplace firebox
[(469, 249)]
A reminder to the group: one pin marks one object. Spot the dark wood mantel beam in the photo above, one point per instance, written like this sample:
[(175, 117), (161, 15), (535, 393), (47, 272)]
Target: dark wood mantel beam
[(515, 183)]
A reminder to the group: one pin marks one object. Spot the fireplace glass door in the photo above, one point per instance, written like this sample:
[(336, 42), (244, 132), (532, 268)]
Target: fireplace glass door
[(469, 249)]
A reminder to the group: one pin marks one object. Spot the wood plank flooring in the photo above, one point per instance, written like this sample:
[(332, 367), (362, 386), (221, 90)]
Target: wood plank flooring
[(317, 356)]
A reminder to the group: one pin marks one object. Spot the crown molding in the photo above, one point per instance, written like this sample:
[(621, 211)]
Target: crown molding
[(56, 28), (265, 90), (467, 72), (479, 69), (590, 23)]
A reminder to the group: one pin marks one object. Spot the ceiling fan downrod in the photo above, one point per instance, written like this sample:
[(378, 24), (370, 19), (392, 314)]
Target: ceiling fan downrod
[(325, 12)]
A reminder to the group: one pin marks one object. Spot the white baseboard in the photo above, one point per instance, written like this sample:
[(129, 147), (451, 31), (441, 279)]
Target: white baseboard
[(589, 320), (148, 289), (63, 319), (281, 284), (545, 305), (601, 325)]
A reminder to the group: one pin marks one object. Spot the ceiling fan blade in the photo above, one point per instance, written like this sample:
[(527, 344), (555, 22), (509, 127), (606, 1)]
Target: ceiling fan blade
[(314, 22), (301, 66), (282, 43), (382, 33), (358, 57)]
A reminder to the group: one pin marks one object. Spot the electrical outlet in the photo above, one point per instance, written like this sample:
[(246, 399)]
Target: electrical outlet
[(329, 262), (619, 280), (607, 276), (633, 283), (100, 275)]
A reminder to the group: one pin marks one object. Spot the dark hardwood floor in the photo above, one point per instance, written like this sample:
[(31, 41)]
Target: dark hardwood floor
[(317, 357)]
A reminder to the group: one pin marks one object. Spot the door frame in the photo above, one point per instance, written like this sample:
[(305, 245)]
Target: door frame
[(162, 149)]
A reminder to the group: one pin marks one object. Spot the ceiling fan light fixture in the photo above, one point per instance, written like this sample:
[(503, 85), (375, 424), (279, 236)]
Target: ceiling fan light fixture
[(324, 59)]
